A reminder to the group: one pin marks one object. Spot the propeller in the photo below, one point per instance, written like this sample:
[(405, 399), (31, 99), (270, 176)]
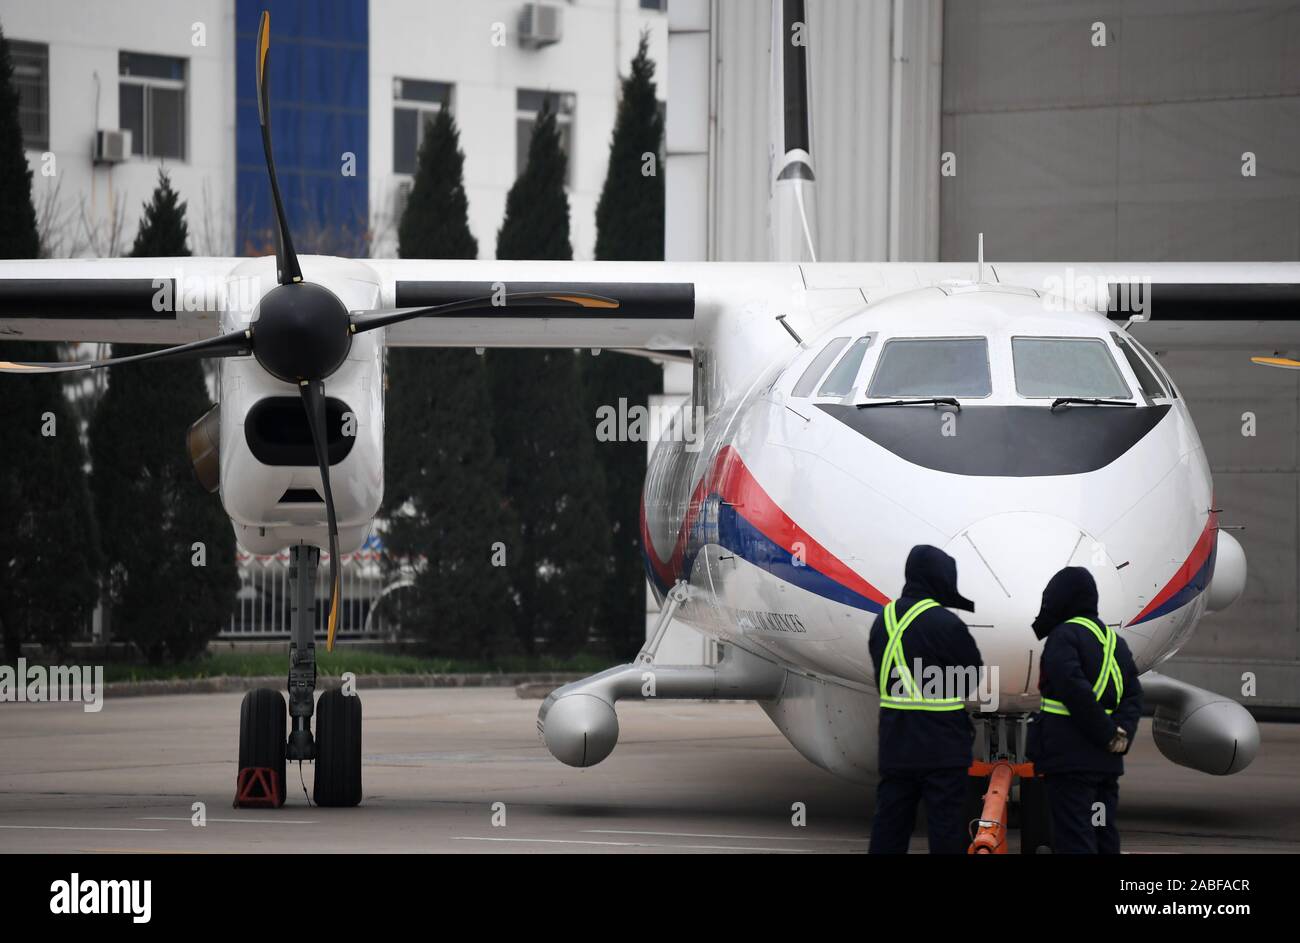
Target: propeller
[(286, 260), (303, 332)]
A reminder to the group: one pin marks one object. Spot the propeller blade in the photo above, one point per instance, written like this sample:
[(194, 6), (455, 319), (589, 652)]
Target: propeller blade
[(558, 298), (313, 400), (286, 260), (223, 345)]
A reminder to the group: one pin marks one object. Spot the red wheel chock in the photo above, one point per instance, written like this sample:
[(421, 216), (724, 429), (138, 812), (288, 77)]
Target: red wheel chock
[(258, 787)]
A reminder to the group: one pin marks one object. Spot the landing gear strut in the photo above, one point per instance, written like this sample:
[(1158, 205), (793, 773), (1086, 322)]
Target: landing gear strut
[(303, 563), (336, 750)]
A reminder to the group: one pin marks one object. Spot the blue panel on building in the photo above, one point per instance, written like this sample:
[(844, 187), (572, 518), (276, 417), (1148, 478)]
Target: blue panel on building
[(320, 97)]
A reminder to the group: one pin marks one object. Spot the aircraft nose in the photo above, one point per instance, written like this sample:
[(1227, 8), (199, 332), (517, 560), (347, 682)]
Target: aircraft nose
[(1003, 563)]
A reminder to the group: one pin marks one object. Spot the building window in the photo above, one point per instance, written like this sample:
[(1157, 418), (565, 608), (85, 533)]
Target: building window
[(151, 104), (32, 80), (528, 104), (416, 103), (660, 5)]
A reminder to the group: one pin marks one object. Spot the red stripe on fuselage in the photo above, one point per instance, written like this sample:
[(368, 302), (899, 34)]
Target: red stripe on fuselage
[(732, 481), (1187, 572)]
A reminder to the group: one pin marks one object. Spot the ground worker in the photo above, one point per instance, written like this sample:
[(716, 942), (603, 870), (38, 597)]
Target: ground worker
[(1092, 702), (925, 741)]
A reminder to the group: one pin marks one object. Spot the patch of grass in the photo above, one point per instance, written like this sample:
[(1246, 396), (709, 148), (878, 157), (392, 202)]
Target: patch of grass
[(273, 663)]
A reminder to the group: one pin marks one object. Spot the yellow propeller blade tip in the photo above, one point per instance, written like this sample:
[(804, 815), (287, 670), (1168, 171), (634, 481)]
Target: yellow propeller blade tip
[(1286, 363), (334, 618), (263, 43)]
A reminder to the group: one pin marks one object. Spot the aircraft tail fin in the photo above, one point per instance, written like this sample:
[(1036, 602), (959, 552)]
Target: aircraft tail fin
[(792, 210)]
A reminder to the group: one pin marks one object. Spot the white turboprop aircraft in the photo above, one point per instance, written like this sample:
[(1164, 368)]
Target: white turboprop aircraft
[(844, 413)]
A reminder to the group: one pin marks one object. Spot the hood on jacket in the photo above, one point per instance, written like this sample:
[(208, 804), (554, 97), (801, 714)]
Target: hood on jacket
[(1071, 592), (932, 574)]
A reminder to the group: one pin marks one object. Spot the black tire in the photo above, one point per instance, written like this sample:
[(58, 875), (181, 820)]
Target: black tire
[(263, 729), (338, 749), (1035, 818)]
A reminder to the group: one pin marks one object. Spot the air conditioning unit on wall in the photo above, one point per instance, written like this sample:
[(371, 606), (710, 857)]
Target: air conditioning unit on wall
[(540, 24), (112, 147)]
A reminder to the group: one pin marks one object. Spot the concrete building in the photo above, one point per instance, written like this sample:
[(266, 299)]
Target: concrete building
[(351, 83)]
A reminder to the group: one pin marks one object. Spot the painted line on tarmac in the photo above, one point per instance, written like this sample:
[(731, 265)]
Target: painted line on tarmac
[(629, 844), (629, 831), (81, 828), (190, 818)]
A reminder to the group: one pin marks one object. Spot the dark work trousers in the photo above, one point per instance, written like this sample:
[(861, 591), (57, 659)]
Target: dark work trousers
[(1073, 799), (897, 796)]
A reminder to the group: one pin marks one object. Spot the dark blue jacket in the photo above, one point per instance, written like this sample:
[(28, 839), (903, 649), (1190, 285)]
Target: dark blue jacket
[(1068, 669), (911, 740)]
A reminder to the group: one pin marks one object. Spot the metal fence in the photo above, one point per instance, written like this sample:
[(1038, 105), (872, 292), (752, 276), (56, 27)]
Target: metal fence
[(263, 602)]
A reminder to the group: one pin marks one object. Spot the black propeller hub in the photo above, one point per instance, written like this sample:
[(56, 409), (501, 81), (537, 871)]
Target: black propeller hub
[(302, 332)]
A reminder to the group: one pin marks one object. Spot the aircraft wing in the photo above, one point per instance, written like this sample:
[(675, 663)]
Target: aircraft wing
[(659, 307), (144, 301), (1251, 306), (663, 306)]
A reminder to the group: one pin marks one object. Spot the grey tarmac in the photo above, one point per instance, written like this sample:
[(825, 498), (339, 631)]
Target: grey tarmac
[(686, 777)]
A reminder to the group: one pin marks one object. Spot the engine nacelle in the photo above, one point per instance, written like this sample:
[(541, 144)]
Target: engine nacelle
[(204, 443), (1200, 729), (1229, 579), (579, 725), (579, 730)]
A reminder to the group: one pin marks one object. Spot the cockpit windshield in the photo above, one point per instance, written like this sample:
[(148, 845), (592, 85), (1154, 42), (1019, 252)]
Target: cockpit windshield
[(1066, 366), (933, 366)]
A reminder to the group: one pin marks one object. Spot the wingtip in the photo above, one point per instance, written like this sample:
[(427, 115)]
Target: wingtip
[(1286, 363)]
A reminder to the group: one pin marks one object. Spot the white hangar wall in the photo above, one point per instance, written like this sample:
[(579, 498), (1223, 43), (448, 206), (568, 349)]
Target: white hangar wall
[(1063, 150), (1066, 150)]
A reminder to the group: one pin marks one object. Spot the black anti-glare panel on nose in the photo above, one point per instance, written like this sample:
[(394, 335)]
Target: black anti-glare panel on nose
[(1005, 441), (277, 432)]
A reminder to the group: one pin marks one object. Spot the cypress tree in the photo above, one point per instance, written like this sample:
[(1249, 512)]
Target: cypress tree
[(169, 551), (443, 481), (18, 235), (163, 231), (48, 549), (552, 479), (630, 213), (629, 228)]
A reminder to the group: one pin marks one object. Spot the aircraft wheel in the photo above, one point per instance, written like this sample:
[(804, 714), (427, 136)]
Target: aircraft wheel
[(263, 722), (338, 749), (1035, 818)]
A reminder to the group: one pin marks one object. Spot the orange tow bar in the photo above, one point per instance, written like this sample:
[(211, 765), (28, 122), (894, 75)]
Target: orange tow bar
[(990, 837)]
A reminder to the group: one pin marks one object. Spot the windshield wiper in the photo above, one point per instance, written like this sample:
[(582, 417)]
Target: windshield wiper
[(1086, 401), (929, 401)]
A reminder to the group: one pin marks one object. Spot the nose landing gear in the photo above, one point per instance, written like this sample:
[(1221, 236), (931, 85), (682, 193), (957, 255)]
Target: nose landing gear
[(336, 748), (1000, 767)]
